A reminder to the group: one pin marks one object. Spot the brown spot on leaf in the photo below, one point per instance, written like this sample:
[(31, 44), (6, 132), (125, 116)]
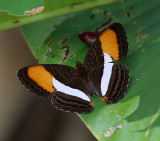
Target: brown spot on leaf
[(95, 11), (92, 16), (105, 12), (16, 22), (64, 41), (46, 54), (51, 42), (75, 3), (141, 36), (130, 7), (109, 132), (67, 51), (34, 11), (72, 55), (128, 14)]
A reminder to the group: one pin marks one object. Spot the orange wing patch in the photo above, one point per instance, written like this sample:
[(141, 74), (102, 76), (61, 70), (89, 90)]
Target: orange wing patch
[(104, 99), (91, 104), (41, 77), (109, 44)]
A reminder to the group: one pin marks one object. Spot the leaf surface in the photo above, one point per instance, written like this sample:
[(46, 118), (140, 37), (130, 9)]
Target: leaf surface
[(137, 114), (13, 13)]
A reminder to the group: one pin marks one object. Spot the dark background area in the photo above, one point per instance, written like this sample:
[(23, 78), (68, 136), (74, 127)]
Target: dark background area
[(23, 115)]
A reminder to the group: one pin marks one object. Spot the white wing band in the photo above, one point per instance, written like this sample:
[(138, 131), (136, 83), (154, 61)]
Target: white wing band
[(107, 58), (69, 91), (107, 72)]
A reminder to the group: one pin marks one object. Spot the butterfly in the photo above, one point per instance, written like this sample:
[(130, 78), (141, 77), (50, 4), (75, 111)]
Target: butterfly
[(71, 89)]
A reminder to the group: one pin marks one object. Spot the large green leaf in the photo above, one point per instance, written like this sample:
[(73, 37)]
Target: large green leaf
[(138, 112), (12, 12)]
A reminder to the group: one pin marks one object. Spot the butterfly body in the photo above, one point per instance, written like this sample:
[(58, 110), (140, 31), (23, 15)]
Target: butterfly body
[(84, 74), (71, 88)]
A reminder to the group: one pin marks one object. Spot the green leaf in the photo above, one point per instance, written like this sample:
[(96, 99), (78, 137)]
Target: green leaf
[(12, 12), (137, 115), (18, 7)]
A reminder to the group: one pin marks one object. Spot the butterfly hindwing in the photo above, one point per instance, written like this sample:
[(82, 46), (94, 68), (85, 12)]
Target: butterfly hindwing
[(70, 99), (110, 81), (71, 103), (59, 80), (114, 82)]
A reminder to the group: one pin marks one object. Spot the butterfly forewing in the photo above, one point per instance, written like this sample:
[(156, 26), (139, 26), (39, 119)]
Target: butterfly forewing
[(113, 42), (37, 80), (94, 57)]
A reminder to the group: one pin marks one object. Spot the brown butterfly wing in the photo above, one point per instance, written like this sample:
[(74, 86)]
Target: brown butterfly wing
[(71, 103), (94, 57), (110, 80), (113, 42), (65, 100), (112, 86), (66, 75), (39, 80)]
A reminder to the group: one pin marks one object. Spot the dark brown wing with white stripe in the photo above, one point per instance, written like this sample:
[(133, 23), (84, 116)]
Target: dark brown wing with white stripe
[(71, 99), (114, 82), (66, 75), (60, 81), (110, 80), (38, 78)]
